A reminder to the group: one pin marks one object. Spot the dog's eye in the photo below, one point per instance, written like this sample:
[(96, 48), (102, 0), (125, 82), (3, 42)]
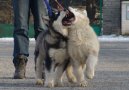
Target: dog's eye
[(54, 16), (57, 14)]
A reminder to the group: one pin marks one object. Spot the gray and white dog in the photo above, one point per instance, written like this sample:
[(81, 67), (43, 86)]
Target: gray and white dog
[(51, 57)]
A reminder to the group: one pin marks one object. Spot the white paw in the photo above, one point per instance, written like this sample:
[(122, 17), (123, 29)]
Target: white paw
[(72, 80), (83, 83), (54, 84), (90, 75), (51, 84), (40, 82), (58, 84)]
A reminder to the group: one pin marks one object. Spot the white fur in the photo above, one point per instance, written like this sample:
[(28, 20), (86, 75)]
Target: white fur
[(83, 45), (58, 25), (55, 76)]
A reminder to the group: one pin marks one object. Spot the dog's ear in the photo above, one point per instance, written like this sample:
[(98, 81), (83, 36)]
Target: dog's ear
[(46, 19)]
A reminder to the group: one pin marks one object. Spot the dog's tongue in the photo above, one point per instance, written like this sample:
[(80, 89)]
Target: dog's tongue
[(65, 23), (68, 19), (68, 22)]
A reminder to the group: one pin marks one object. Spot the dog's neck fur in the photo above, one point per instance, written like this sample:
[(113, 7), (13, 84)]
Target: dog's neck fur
[(56, 34)]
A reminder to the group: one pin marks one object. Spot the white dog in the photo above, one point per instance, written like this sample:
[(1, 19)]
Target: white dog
[(83, 45)]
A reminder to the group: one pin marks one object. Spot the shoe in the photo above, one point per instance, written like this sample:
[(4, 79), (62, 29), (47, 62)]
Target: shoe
[(20, 67)]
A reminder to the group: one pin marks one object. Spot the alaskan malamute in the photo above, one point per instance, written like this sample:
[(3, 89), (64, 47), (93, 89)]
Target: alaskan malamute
[(51, 56), (82, 44)]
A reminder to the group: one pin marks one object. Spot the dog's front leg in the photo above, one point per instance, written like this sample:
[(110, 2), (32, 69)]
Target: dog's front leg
[(56, 77), (90, 66), (79, 73), (50, 76), (69, 73), (40, 70)]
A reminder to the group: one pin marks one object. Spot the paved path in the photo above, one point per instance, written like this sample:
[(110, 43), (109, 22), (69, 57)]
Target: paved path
[(112, 71)]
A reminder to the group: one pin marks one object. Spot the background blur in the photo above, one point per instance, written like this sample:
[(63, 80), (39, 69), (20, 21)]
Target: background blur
[(93, 10)]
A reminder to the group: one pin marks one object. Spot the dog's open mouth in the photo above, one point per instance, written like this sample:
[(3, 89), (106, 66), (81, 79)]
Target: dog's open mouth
[(68, 19)]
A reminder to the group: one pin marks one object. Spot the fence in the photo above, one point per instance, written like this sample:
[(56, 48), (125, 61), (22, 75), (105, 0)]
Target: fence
[(6, 30)]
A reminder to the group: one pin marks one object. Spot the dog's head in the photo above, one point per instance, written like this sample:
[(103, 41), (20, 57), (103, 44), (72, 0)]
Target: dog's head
[(63, 21), (66, 19), (71, 16), (60, 21)]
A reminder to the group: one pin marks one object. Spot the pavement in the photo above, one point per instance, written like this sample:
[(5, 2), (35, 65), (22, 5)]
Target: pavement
[(112, 71)]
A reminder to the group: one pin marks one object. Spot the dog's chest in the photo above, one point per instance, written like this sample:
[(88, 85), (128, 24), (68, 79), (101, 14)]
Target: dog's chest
[(55, 42), (50, 40)]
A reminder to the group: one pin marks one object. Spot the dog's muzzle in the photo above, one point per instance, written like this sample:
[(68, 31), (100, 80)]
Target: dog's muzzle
[(68, 19)]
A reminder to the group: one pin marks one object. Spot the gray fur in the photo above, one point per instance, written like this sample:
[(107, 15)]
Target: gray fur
[(44, 62)]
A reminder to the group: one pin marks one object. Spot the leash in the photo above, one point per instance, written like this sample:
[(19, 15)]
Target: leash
[(49, 8), (62, 8)]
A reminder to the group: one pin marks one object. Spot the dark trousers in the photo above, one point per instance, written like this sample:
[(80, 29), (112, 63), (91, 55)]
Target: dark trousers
[(22, 10)]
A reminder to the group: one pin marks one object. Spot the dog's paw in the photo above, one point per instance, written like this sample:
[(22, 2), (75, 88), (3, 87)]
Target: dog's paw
[(40, 82), (83, 83), (51, 84), (58, 84), (54, 84), (72, 80), (90, 75)]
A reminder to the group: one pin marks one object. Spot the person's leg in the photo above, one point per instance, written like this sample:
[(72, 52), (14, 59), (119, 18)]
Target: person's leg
[(38, 10), (21, 40)]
